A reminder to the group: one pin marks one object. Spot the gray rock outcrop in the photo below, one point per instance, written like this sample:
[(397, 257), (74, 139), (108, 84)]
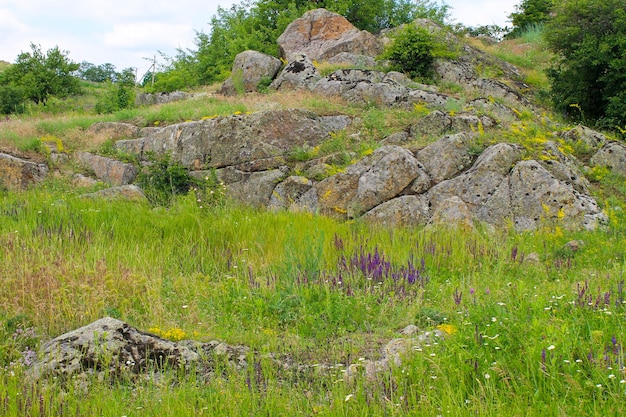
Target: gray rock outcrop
[(123, 192), (299, 73), (321, 35), (108, 170), (613, 156), (249, 69), (18, 174), (109, 348)]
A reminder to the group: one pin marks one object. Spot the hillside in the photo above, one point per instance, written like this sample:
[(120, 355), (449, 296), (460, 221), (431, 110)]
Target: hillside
[(323, 236)]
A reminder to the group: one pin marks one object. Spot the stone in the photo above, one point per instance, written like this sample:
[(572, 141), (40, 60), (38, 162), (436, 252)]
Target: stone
[(452, 211), (82, 181), (19, 174), (300, 73), (123, 192), (371, 181), (353, 60), (613, 156), (249, 69), (537, 196), (115, 130), (447, 157), (237, 139), (321, 34), (407, 210), (362, 87), (109, 346), (288, 191), (146, 99), (109, 170), (438, 123), (253, 188), (589, 138)]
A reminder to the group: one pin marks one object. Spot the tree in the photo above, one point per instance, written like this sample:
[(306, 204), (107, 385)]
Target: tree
[(40, 75), (257, 24), (588, 80), (97, 73), (529, 13)]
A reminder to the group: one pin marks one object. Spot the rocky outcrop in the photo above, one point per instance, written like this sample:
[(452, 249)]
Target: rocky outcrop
[(613, 156), (115, 130), (110, 348), (18, 174), (438, 123), (299, 73), (108, 170), (123, 192), (249, 69), (238, 139), (147, 99), (321, 35)]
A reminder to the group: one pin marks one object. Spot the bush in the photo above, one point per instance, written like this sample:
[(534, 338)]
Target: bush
[(412, 51), (588, 79), (11, 99)]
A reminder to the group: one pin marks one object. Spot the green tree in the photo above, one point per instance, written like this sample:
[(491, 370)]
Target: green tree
[(11, 99), (529, 13), (97, 73), (588, 80), (41, 75), (257, 24)]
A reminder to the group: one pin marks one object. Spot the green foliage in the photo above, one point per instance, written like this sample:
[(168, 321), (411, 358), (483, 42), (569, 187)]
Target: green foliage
[(412, 51), (42, 75), (588, 78), (164, 178), (118, 96), (529, 13), (11, 99), (97, 73), (257, 25)]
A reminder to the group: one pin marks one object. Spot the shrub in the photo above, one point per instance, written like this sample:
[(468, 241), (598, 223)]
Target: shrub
[(165, 178), (412, 51)]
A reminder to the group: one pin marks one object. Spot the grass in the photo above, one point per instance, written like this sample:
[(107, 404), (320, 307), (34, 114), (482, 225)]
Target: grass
[(533, 327), (295, 284)]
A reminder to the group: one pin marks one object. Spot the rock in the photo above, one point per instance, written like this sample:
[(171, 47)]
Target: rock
[(589, 138), (353, 60), (613, 156), (452, 211), (249, 69), (492, 107), (123, 192), (238, 139), (408, 210), (80, 180), (299, 73), (447, 157), (115, 130), (288, 191), (563, 168), (144, 99), (108, 170), (430, 98), (362, 87), (253, 188), (364, 185), (109, 346), (537, 196), (399, 138), (18, 174), (477, 187), (438, 123), (321, 34)]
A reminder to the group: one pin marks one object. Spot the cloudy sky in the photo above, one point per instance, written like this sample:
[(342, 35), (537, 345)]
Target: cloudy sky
[(127, 33)]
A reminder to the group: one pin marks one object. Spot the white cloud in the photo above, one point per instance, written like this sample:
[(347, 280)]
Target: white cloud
[(148, 35)]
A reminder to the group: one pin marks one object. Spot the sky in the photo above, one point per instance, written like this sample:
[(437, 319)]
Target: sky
[(130, 33)]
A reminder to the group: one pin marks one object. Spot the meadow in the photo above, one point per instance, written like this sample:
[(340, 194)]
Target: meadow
[(533, 326)]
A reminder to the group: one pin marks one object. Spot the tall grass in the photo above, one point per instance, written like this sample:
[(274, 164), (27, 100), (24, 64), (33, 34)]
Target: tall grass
[(528, 320)]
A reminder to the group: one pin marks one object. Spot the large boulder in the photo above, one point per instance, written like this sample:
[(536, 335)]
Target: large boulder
[(613, 156), (368, 183), (253, 188), (128, 192), (110, 348), (321, 35), (115, 130), (439, 123), (108, 170), (249, 69), (18, 174), (299, 73), (447, 157), (238, 139)]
